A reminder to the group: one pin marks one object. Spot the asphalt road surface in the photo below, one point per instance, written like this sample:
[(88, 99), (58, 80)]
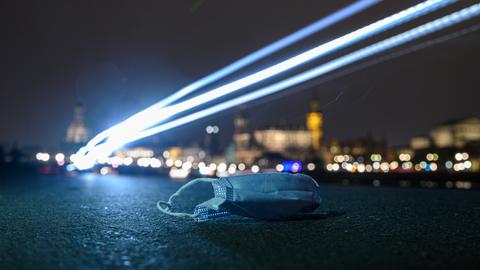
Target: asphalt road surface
[(95, 222)]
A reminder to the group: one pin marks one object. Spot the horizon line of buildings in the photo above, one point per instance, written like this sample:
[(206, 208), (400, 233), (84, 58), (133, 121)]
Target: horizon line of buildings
[(268, 147)]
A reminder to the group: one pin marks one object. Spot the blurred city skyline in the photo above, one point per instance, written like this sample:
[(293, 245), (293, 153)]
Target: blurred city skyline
[(202, 134), (59, 55)]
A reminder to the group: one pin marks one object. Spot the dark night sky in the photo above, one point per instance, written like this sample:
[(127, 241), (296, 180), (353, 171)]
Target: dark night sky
[(121, 56)]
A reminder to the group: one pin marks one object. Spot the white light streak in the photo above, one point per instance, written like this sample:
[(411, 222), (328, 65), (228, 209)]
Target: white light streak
[(241, 63), (382, 25), (389, 43), (156, 116)]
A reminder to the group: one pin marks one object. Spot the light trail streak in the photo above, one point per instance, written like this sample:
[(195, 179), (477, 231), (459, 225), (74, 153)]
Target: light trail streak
[(155, 117), (349, 70), (268, 50), (341, 42), (243, 62), (376, 48)]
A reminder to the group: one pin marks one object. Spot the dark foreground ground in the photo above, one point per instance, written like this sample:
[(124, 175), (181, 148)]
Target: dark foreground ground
[(94, 222)]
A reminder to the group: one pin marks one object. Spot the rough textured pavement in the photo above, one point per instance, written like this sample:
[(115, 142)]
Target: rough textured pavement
[(95, 222)]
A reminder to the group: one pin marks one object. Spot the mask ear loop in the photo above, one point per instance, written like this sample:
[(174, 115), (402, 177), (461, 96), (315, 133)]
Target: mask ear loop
[(165, 207)]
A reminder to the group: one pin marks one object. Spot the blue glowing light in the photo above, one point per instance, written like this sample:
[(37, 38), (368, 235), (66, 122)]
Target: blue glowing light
[(292, 166), (107, 148), (239, 64), (70, 167), (378, 47), (153, 117)]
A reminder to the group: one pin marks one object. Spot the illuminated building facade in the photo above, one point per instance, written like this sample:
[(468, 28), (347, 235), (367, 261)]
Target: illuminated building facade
[(359, 148), (454, 144), (458, 133), (243, 140), (282, 140), (420, 142), (298, 143), (77, 131), (452, 134)]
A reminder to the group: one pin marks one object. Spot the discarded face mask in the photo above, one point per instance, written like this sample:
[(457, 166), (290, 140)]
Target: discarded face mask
[(269, 196)]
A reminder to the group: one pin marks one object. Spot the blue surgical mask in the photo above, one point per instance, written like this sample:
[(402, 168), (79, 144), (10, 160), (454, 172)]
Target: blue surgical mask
[(268, 196)]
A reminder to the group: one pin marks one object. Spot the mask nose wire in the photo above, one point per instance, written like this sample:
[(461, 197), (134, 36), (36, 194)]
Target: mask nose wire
[(165, 207)]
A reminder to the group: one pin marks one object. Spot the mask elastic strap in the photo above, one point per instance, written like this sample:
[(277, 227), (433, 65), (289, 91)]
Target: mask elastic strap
[(165, 207)]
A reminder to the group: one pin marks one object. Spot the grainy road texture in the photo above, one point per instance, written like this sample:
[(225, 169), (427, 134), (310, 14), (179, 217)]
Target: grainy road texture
[(96, 222)]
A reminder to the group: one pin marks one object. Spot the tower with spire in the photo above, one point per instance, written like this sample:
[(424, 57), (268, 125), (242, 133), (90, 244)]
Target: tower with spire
[(315, 123), (77, 132)]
